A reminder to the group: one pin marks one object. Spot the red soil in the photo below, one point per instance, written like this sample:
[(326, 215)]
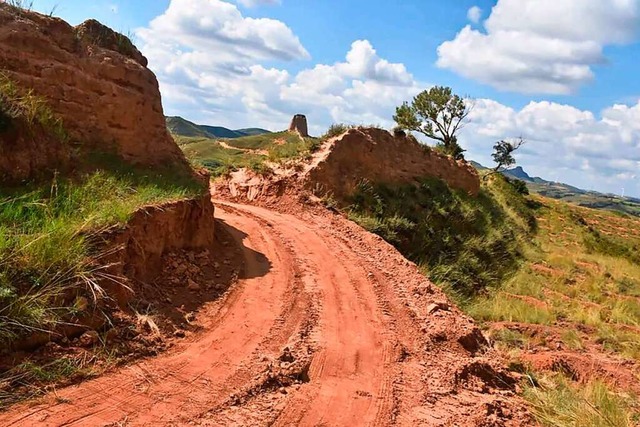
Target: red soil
[(327, 325)]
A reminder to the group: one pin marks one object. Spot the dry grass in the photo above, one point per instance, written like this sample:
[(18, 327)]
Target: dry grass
[(566, 277), (557, 402)]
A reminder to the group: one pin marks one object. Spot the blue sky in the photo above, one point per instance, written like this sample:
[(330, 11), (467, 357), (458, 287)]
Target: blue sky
[(561, 73)]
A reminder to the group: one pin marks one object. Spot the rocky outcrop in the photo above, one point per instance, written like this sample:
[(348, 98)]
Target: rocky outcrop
[(299, 124), (378, 156), (94, 79)]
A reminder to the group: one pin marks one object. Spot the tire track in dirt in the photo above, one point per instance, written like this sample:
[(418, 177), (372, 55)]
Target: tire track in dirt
[(351, 371), (184, 383)]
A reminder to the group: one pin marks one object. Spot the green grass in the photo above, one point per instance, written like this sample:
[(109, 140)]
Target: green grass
[(47, 251), (24, 106), (249, 152), (293, 148), (580, 267), (263, 141), (510, 310), (464, 243), (589, 276), (217, 159), (336, 129), (557, 402)]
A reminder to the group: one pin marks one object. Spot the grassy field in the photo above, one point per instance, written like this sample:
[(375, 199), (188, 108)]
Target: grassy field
[(247, 152), (583, 269)]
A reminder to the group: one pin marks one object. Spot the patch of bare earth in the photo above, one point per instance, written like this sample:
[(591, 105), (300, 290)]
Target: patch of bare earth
[(546, 349)]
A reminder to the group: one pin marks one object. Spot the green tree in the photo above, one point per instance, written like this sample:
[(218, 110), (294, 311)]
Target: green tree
[(503, 153), (438, 114)]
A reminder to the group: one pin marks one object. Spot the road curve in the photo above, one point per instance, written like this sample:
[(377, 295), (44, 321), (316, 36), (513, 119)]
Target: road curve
[(342, 305)]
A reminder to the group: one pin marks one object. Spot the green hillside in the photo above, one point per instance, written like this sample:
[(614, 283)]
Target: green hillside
[(248, 151), (182, 127), (571, 194)]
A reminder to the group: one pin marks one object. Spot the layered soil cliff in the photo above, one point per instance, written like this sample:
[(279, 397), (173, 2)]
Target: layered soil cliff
[(94, 79), (375, 155)]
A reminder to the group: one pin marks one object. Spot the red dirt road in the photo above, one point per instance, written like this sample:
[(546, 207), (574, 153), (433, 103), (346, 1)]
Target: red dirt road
[(328, 326)]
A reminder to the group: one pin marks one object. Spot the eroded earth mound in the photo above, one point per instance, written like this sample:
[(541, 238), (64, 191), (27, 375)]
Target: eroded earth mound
[(94, 79), (376, 155)]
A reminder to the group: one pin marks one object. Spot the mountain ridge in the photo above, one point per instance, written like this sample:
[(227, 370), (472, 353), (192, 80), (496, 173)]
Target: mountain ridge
[(183, 127), (572, 194)]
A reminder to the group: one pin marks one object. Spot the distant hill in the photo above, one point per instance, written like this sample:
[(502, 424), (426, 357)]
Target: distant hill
[(183, 127), (571, 194), (519, 173)]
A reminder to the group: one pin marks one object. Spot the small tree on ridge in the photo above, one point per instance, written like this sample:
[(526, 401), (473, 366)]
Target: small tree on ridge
[(503, 153), (438, 114)]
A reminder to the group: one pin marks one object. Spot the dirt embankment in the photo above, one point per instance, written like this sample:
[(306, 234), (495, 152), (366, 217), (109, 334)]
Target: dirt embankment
[(97, 82), (377, 156), (94, 79), (342, 163), (153, 232)]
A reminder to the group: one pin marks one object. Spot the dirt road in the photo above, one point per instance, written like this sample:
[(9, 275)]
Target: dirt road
[(328, 326)]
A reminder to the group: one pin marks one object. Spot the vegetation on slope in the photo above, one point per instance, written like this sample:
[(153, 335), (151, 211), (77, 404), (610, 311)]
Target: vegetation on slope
[(556, 402), (46, 239), (254, 152), (580, 276), (47, 255), (464, 243), (585, 271), (26, 108)]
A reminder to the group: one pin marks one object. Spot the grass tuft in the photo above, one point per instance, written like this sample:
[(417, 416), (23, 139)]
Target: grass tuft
[(336, 129), (558, 402), (32, 110), (48, 250)]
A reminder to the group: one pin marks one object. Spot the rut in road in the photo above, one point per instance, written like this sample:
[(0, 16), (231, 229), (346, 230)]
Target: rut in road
[(321, 301)]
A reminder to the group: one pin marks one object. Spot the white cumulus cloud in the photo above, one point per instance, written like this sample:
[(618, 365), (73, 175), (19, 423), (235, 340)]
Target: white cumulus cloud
[(254, 3), (541, 46), (204, 28), (474, 14), (222, 68), (582, 148), (211, 64)]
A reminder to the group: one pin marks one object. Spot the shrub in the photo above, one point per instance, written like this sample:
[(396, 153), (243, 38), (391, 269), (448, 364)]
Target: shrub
[(398, 132), (520, 186), (464, 243), (336, 129)]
